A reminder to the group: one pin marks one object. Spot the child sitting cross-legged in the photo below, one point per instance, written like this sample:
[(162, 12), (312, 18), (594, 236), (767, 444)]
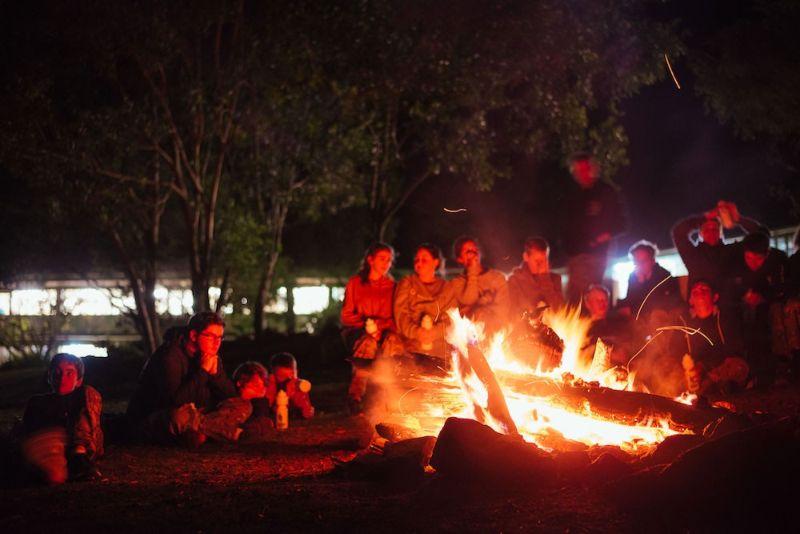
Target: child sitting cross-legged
[(283, 377), (60, 435)]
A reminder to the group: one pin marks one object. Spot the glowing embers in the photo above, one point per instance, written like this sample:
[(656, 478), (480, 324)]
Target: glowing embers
[(514, 396)]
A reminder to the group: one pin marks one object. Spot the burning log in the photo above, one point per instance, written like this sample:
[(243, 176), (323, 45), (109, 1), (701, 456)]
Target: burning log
[(496, 403), (469, 451), (631, 407)]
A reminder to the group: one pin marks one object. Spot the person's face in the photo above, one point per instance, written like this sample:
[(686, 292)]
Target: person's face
[(283, 374), (254, 388), (702, 297), (597, 304), (643, 263), (584, 172), (209, 340), (709, 232), (469, 253), (537, 261), (380, 263), (65, 378), (754, 260), (425, 264)]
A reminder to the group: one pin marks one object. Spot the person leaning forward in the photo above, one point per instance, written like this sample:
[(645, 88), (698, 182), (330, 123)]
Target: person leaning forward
[(184, 393)]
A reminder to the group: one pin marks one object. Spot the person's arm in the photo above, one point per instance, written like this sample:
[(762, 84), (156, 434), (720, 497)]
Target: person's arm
[(752, 226), (462, 289), (682, 236), (301, 401), (177, 389), (403, 314), (350, 316), (222, 386), (502, 297)]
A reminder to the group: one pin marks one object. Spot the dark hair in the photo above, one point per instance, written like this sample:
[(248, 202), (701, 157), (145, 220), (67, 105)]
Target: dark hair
[(434, 251), (201, 320), (282, 359), (705, 282), (458, 244), (248, 370), (536, 243), (62, 357), (597, 287), (580, 156), (644, 244), (363, 271), (757, 242)]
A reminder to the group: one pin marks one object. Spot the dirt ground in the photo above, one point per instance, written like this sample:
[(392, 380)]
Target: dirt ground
[(291, 484)]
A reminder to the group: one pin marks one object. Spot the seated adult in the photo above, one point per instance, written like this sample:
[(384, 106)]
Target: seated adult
[(756, 286), (422, 300), (367, 324), (716, 362), (61, 436), (491, 307), (651, 288), (183, 388), (612, 328), (699, 241), (531, 284)]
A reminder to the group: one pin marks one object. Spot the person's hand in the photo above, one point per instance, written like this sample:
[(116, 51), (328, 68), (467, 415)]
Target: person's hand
[(427, 322), (473, 266), (753, 298), (209, 363), (370, 326)]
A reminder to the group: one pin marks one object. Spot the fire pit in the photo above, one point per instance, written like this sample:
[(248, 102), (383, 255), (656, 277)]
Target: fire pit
[(578, 403)]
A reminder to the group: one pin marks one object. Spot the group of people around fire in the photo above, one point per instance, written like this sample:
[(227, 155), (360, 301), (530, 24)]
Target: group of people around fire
[(736, 325)]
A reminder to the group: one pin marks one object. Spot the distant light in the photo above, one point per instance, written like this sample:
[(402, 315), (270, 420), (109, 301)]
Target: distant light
[(84, 349), (310, 299)]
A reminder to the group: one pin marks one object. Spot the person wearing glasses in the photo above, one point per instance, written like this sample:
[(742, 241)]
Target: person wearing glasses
[(184, 395)]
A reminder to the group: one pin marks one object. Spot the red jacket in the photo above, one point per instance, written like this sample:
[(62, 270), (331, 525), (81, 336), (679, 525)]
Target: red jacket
[(299, 402), (371, 299)]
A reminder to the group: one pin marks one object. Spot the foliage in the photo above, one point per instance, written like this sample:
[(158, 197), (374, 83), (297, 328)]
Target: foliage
[(747, 74)]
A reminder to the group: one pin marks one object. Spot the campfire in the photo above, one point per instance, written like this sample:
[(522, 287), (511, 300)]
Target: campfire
[(558, 398)]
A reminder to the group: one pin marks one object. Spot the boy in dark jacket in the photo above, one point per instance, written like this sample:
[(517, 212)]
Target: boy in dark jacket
[(61, 435)]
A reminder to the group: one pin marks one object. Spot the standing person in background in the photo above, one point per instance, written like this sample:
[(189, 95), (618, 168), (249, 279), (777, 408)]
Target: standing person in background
[(491, 308), (593, 215), (368, 327), (699, 242), (422, 300), (531, 284)]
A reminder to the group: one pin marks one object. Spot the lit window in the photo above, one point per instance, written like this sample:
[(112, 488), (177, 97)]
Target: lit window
[(279, 304), (213, 296), (310, 299), (88, 301), (32, 301), (84, 349), (161, 294), (5, 303), (337, 294)]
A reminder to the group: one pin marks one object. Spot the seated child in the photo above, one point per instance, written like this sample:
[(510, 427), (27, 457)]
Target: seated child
[(283, 376), (251, 382), (61, 435)]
